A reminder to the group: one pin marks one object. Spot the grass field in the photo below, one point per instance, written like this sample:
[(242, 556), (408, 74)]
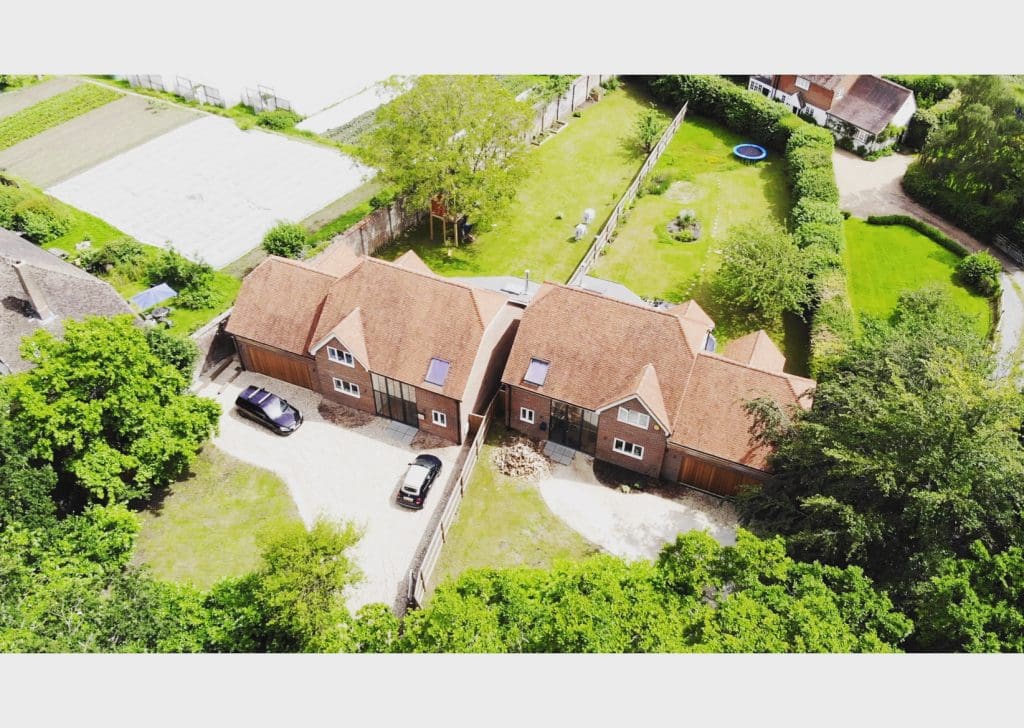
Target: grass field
[(587, 164), (207, 527), (882, 261), (705, 177), (505, 522), (51, 112)]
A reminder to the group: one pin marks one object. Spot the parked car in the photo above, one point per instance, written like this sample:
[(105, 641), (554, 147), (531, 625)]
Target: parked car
[(269, 410), (417, 482)]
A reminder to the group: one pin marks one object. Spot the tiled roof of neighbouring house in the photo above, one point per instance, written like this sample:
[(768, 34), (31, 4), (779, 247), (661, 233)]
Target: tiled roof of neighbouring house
[(39, 290), (871, 103)]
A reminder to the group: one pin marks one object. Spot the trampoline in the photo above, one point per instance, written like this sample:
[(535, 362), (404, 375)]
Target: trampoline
[(750, 152)]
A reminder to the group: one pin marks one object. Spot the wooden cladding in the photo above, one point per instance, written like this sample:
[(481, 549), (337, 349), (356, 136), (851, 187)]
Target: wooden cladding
[(713, 478), (278, 365)]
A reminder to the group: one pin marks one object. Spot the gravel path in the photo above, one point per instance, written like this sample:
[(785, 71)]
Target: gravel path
[(873, 188), (631, 525), (94, 137), (14, 101), (345, 474)]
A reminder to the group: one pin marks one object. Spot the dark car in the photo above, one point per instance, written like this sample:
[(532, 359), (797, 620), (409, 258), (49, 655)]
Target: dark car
[(417, 482), (269, 410)]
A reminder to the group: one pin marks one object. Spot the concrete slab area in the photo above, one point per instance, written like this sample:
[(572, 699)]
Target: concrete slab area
[(559, 453), (87, 140), (210, 189)]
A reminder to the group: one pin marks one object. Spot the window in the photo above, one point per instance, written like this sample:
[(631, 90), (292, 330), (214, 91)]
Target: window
[(437, 371), (439, 418), (341, 357), (628, 448), (537, 372), (526, 415), (637, 419), (802, 83), (340, 385)]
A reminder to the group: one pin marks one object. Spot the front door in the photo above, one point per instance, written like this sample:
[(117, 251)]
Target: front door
[(395, 400)]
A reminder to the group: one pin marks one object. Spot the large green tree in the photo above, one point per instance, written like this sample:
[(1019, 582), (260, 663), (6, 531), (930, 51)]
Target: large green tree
[(457, 137), (110, 417), (911, 452), (764, 271), (699, 596)]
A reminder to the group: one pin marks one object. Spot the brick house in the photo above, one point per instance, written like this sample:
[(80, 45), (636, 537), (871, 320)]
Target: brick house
[(858, 107), (643, 388), (389, 338)]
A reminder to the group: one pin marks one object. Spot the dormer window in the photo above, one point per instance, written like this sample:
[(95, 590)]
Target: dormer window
[(340, 357), (537, 372), (802, 83)]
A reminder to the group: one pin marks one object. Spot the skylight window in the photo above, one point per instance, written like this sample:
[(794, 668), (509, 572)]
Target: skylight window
[(437, 372), (537, 372)]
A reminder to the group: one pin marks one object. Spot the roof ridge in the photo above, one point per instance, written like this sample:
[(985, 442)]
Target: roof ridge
[(292, 262), (786, 375), (639, 306)]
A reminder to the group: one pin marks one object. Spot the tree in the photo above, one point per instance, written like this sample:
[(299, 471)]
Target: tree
[(975, 604), (287, 239), (699, 596), (910, 454), (764, 271), (181, 352), (102, 410), (295, 602), (647, 129), (459, 138)]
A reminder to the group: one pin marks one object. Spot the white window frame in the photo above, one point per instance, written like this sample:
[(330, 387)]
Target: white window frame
[(349, 388), (527, 415), (341, 357), (632, 417), (439, 418), (628, 448)]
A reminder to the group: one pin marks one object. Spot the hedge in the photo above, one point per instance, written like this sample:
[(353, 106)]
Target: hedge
[(924, 228), (972, 216), (36, 217), (746, 112)]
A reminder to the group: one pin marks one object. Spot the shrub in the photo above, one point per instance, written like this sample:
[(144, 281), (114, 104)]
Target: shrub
[(287, 239), (928, 90), (278, 119), (656, 184), (10, 198), (125, 253), (181, 352), (193, 281), (40, 220), (972, 216), (981, 272), (610, 84)]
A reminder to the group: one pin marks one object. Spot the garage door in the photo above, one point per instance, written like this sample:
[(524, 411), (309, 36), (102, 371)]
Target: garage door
[(276, 365), (712, 478)]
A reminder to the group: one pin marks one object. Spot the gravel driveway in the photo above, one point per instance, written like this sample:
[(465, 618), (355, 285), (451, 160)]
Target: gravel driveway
[(873, 188), (631, 525), (341, 473)]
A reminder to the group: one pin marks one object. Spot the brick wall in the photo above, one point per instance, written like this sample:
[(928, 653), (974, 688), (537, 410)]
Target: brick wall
[(428, 401), (541, 406), (326, 370), (652, 440)]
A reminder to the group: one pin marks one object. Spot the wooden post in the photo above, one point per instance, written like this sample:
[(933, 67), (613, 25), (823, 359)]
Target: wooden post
[(431, 225)]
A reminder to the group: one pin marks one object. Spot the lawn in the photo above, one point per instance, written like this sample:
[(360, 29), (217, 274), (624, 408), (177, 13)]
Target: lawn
[(882, 261), (588, 164), (703, 176), (505, 522), (51, 112), (207, 527)]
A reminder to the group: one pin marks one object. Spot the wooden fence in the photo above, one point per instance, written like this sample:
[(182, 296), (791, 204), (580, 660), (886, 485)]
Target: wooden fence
[(604, 237), (422, 570)]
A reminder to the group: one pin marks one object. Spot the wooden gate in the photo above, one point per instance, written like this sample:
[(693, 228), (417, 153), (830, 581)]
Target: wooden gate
[(713, 478)]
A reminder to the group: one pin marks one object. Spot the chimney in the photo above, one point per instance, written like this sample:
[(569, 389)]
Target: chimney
[(35, 294)]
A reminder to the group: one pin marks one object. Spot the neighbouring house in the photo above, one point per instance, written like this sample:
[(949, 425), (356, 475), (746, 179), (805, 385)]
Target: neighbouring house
[(389, 338), (869, 111), (643, 387), (38, 290)]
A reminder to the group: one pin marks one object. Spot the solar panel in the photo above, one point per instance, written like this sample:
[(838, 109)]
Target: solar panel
[(537, 372), (437, 372)]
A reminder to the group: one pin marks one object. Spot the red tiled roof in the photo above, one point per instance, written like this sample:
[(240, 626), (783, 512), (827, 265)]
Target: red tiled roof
[(393, 315), (757, 350)]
